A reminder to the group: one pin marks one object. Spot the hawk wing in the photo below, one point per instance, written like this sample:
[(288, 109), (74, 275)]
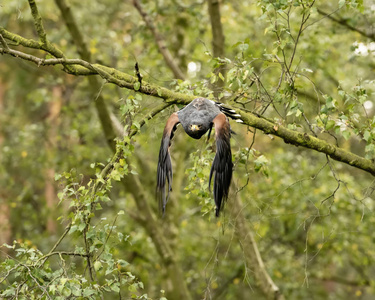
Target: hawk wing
[(222, 165), (164, 171)]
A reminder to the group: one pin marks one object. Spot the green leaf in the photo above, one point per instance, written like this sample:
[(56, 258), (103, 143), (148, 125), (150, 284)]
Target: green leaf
[(98, 265), (123, 263), (115, 287), (221, 77), (73, 229), (137, 85), (81, 227), (52, 289), (367, 135), (88, 292), (260, 162), (66, 291), (346, 134), (330, 124)]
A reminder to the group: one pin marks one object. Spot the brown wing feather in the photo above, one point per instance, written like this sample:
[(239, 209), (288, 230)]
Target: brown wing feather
[(164, 172), (222, 165)]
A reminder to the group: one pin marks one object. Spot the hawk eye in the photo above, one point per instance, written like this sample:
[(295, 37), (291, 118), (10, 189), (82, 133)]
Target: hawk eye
[(196, 127)]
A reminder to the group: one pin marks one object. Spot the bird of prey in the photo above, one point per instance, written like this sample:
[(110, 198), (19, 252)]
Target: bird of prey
[(197, 118)]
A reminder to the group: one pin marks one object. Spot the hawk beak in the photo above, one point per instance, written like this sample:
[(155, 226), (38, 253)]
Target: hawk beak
[(194, 127)]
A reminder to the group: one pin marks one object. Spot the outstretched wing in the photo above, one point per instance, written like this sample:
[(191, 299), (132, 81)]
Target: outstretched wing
[(164, 172), (222, 165)]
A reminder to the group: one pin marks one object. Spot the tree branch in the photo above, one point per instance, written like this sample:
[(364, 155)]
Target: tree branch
[(251, 252), (289, 136), (67, 253), (109, 74), (160, 42), (38, 23), (95, 85), (29, 43), (344, 281), (308, 141), (345, 23), (3, 43), (218, 40)]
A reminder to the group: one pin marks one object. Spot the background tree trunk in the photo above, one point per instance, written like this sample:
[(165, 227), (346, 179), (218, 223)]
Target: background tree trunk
[(5, 226), (53, 122)]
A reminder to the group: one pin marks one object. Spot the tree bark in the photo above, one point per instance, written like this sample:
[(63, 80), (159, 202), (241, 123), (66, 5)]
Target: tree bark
[(218, 41), (218, 38)]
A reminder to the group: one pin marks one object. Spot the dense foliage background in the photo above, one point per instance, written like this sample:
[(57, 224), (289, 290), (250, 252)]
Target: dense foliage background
[(79, 221)]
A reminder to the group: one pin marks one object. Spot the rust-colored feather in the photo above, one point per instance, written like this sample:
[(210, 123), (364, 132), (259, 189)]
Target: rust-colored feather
[(164, 172)]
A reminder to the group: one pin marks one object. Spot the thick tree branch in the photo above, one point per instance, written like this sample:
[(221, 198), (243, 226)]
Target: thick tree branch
[(160, 42), (29, 43), (216, 28), (218, 40), (109, 74), (289, 136), (305, 140)]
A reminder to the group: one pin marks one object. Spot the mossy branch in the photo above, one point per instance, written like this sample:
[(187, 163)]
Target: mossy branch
[(38, 22), (308, 141), (121, 79)]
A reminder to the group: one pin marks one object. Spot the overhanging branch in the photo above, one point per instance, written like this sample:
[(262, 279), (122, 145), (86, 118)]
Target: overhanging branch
[(81, 67)]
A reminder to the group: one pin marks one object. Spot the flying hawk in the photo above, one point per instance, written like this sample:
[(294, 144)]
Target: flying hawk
[(197, 118)]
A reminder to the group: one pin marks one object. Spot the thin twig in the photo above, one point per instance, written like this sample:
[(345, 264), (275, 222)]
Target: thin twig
[(36, 281), (107, 238), (9, 272), (3, 42)]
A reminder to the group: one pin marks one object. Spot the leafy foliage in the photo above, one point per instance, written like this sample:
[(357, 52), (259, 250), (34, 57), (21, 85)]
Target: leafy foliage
[(303, 65)]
